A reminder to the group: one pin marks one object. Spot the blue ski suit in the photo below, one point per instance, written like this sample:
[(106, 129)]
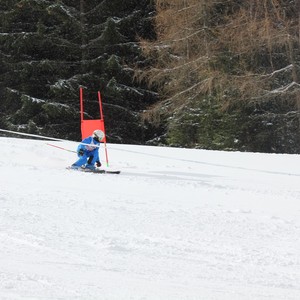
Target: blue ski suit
[(89, 153)]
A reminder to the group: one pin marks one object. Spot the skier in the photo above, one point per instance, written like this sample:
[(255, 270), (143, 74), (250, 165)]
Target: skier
[(88, 152)]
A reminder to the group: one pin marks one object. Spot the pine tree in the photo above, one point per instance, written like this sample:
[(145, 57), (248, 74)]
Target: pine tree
[(51, 48), (34, 43)]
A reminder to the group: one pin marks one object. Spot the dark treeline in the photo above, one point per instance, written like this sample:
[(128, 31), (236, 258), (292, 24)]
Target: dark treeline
[(198, 73), (50, 48)]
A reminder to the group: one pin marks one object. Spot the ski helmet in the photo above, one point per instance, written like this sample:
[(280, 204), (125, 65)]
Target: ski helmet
[(98, 135)]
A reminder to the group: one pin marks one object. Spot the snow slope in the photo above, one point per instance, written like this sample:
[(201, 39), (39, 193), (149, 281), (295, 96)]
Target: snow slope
[(177, 224)]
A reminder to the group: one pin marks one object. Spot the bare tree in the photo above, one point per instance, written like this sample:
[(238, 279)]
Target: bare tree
[(182, 51), (83, 34), (238, 50)]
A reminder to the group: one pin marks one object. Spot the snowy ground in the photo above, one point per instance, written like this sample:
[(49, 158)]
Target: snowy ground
[(177, 224)]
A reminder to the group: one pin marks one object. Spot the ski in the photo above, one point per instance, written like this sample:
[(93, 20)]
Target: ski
[(96, 171), (105, 171)]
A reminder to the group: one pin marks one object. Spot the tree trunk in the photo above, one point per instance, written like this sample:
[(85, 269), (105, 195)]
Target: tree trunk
[(83, 36)]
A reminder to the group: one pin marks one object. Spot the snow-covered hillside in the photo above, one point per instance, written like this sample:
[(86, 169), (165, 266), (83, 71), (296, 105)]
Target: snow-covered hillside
[(176, 224)]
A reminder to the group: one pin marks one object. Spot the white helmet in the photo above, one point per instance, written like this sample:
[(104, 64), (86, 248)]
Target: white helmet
[(98, 135)]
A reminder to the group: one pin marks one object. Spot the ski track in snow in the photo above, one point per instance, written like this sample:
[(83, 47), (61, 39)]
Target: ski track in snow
[(175, 224)]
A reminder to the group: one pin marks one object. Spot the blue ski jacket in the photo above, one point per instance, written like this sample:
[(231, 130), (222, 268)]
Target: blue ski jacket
[(90, 150)]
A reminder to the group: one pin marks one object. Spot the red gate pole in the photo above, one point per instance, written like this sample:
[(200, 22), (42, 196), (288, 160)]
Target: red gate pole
[(102, 118), (81, 104)]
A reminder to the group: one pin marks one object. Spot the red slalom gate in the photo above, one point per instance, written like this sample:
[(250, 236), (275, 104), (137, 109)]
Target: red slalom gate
[(88, 126)]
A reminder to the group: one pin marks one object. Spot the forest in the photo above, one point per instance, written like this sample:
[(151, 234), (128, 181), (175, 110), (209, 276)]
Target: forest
[(49, 49), (207, 74)]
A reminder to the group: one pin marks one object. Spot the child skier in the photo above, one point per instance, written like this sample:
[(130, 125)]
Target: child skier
[(88, 151)]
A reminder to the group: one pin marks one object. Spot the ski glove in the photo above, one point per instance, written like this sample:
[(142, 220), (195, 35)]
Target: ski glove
[(98, 164), (80, 152), (90, 160)]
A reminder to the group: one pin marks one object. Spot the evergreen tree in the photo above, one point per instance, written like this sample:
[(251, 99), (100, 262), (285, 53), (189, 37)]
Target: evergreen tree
[(39, 51), (112, 50), (51, 48)]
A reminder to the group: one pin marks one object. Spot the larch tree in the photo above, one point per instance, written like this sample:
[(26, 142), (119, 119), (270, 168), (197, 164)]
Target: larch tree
[(228, 72)]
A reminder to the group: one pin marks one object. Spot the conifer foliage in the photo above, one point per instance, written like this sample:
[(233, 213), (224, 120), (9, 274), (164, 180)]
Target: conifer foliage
[(49, 49), (228, 73)]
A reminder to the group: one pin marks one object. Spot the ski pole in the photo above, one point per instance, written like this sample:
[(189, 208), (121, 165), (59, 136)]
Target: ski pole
[(61, 148)]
